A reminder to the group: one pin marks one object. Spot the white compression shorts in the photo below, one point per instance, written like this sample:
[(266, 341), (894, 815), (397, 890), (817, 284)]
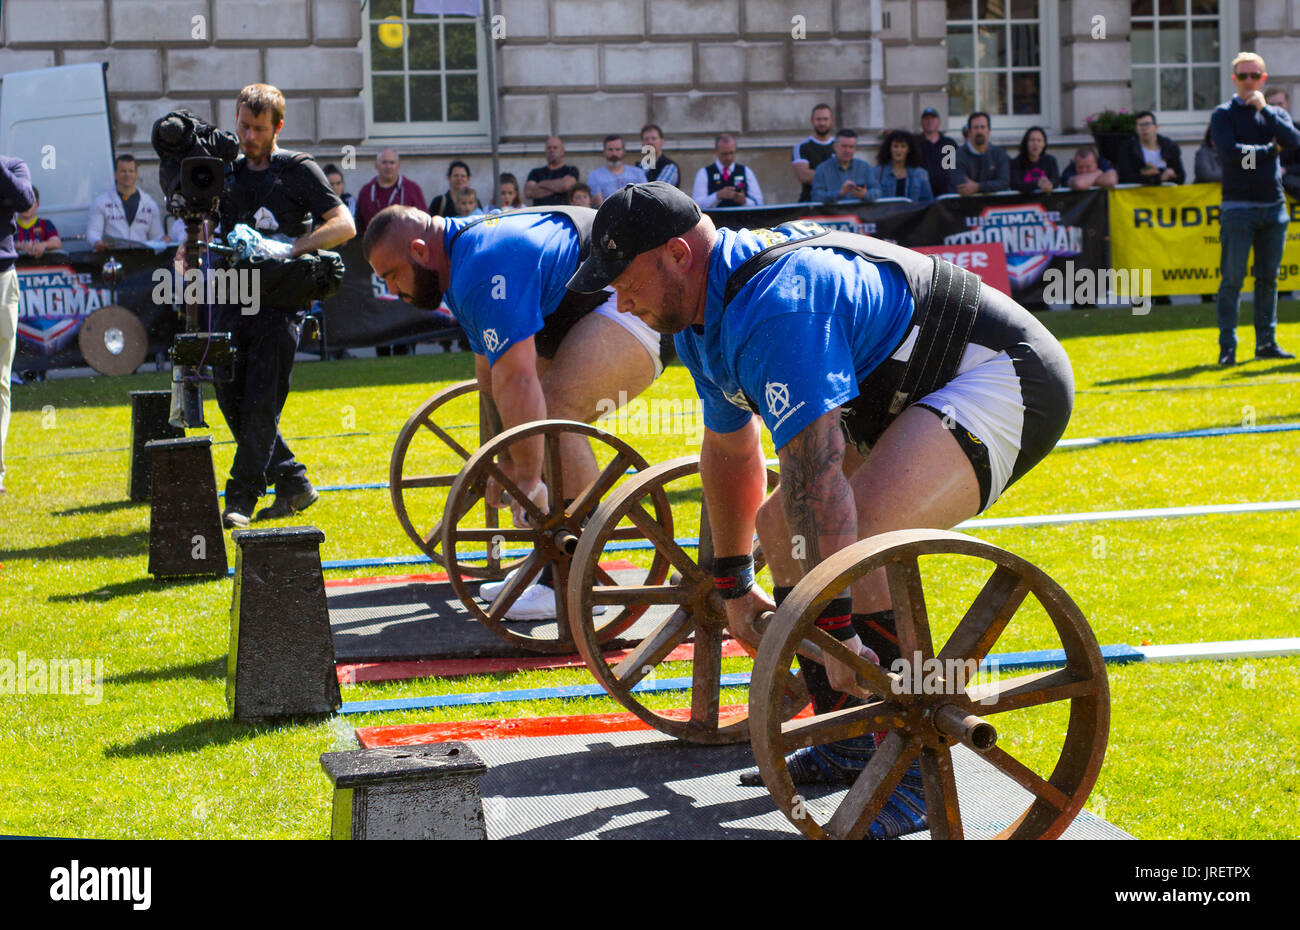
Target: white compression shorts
[(648, 338)]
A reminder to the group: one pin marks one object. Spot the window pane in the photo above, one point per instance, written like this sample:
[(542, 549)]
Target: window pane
[(1024, 46), (1205, 88), (991, 9), (462, 97), (1205, 7), (1024, 94), (1024, 9), (959, 9), (383, 57), (461, 47), (1173, 7), (1205, 43), (1173, 89), (1173, 44), (1142, 8), (425, 51), (961, 94), (1143, 38), (388, 98), (992, 47), (426, 98), (960, 49), (993, 93), (382, 8), (1144, 89)]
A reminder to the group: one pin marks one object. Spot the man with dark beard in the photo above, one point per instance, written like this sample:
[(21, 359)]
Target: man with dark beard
[(539, 351)]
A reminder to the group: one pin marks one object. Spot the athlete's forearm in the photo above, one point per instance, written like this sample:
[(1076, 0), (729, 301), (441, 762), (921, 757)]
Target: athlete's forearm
[(735, 483), (817, 498), (519, 399)]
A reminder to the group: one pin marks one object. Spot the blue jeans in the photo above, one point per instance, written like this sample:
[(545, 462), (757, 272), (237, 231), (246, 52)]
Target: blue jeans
[(1240, 228)]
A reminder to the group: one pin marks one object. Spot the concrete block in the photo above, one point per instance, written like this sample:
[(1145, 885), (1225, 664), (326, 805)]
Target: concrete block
[(1269, 17), (822, 62), (525, 19), (767, 17), (915, 66), (149, 421), (340, 119), (130, 70), (895, 19), (426, 792), (185, 535), (299, 122), (696, 110), (855, 112), (223, 71), (318, 70), (547, 67), (1083, 100), (281, 659), (931, 19), (525, 116), (599, 114), (266, 24), (646, 64), (1279, 56), (335, 21), (603, 19), (161, 22), (1079, 22), (852, 16), (1096, 62), (133, 119), (743, 64), (31, 60), (694, 18), (781, 110), (55, 22), (901, 112)]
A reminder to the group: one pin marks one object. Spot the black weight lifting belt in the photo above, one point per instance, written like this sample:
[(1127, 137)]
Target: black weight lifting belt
[(946, 301)]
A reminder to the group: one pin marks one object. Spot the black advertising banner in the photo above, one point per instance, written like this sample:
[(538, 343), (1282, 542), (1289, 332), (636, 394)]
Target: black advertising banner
[(1037, 232)]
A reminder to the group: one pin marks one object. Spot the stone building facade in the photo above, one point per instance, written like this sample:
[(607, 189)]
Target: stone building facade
[(584, 68)]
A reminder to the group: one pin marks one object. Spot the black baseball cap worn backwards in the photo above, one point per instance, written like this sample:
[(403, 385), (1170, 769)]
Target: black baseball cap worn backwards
[(636, 219)]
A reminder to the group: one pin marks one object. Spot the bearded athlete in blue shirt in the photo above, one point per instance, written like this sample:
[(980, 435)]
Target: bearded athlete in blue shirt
[(540, 351), (899, 394)]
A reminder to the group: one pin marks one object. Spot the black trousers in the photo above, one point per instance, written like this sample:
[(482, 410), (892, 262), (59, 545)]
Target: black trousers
[(252, 398)]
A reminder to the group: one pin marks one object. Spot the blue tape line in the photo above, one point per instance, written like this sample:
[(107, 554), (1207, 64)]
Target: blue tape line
[(1120, 654)]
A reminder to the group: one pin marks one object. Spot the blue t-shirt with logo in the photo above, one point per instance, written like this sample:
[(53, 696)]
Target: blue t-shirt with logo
[(798, 337), (507, 275)]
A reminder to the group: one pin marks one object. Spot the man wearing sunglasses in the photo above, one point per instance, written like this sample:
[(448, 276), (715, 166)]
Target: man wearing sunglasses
[(1248, 135)]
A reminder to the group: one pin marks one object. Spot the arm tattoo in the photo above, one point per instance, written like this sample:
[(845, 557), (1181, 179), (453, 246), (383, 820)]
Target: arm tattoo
[(817, 497)]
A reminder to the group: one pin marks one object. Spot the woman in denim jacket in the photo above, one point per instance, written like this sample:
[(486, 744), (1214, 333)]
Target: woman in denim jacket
[(898, 169)]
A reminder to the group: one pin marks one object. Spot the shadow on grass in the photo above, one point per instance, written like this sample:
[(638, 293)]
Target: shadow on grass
[(214, 731), (102, 507), (115, 546), (132, 588), (1176, 374), (208, 669)]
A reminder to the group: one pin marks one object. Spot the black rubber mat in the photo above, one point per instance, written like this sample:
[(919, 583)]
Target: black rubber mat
[(641, 786), (391, 622)]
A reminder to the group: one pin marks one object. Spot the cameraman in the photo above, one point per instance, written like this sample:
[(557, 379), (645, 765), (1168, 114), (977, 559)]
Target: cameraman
[(276, 192)]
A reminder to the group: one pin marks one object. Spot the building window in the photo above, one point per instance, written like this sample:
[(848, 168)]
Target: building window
[(426, 74), (993, 58), (1176, 55)]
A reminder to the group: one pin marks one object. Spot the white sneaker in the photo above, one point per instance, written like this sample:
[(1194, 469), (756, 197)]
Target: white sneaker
[(491, 589), (536, 603)]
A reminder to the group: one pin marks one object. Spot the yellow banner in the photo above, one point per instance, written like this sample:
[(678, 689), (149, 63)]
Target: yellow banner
[(1174, 231)]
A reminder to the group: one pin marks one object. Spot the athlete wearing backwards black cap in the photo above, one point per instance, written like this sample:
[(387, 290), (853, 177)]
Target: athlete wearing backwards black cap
[(899, 394)]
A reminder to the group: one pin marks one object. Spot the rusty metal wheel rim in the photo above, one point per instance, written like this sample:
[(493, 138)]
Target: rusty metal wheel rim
[(545, 535), (699, 618), (1057, 799), (402, 489)]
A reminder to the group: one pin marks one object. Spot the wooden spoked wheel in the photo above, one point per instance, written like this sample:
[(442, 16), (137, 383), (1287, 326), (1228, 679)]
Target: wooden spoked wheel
[(431, 449), (553, 535), (923, 714), (686, 611)]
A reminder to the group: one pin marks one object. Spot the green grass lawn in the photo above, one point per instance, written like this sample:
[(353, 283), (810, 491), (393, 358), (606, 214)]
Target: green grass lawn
[(1196, 750)]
